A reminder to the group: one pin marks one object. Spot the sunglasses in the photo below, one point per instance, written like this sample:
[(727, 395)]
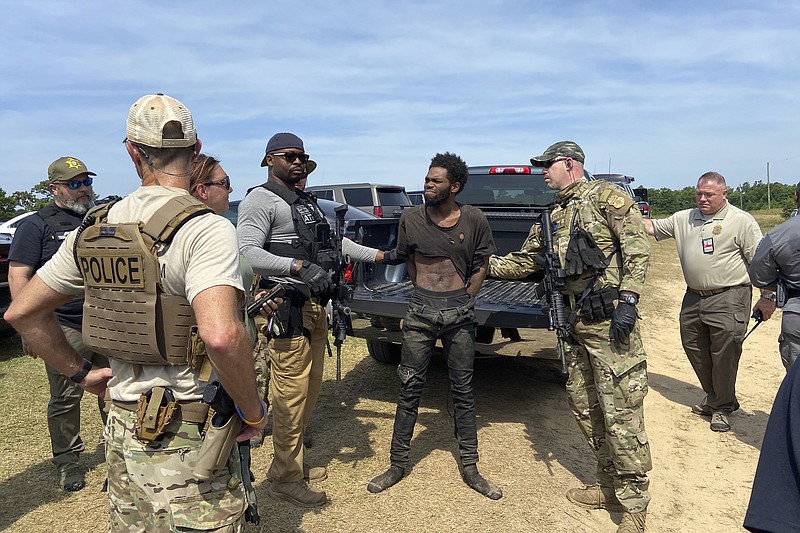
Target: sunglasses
[(290, 157), (75, 185), (224, 182), (553, 162)]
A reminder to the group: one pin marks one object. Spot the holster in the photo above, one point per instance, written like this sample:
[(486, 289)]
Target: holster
[(154, 411), (216, 448), (599, 306)]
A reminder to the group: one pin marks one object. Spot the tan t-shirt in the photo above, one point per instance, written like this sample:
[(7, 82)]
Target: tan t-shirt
[(714, 250), (203, 254)]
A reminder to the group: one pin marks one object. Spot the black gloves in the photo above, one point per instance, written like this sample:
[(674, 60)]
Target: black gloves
[(622, 321), (318, 280), (583, 253), (393, 257)]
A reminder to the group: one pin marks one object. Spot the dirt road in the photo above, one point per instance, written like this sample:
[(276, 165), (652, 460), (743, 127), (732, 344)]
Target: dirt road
[(529, 445)]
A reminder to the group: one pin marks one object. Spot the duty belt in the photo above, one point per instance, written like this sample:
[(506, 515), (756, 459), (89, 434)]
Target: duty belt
[(190, 410), (712, 292), (792, 293)]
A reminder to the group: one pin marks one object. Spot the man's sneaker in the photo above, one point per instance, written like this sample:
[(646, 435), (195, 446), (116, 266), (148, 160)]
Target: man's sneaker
[(595, 497), (719, 422), (702, 409), (297, 493), (632, 523), (387, 479), (479, 483)]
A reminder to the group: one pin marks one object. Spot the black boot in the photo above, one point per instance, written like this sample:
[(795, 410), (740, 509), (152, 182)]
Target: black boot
[(386, 480), (476, 481)]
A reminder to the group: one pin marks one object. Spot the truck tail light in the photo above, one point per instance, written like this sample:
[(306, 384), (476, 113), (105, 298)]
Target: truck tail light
[(348, 273), (377, 211), (510, 170)]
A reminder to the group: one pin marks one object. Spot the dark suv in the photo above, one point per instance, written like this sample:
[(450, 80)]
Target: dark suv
[(639, 194), (383, 201), (5, 292)]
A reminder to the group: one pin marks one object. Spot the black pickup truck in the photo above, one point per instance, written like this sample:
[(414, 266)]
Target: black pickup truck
[(512, 320)]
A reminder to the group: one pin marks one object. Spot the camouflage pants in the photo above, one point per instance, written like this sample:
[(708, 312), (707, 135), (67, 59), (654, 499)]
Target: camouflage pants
[(64, 411), (261, 359), (151, 487), (606, 388)]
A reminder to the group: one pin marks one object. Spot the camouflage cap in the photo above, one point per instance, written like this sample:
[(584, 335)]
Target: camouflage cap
[(559, 149), (66, 168)]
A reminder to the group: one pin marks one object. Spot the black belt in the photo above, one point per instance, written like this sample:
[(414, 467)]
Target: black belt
[(712, 292), (792, 293), (190, 410)]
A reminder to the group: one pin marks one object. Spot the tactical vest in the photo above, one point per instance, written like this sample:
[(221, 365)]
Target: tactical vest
[(126, 315), (313, 242), (58, 220)]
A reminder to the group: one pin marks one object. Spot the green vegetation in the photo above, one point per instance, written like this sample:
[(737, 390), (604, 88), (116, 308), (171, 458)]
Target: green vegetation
[(664, 202), (18, 202)]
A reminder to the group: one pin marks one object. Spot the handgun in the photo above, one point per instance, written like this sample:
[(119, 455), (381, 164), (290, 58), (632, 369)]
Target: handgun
[(275, 292)]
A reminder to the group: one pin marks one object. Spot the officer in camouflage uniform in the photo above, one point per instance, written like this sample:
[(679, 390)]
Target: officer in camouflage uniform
[(600, 239)]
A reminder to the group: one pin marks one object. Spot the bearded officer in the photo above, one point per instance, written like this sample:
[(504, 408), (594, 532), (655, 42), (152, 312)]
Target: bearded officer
[(36, 240), (600, 238)]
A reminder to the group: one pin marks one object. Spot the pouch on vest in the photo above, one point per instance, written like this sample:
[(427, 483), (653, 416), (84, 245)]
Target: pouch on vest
[(599, 305), (154, 412), (126, 314)]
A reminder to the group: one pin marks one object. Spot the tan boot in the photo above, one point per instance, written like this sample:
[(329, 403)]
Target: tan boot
[(297, 493), (595, 497), (314, 474), (632, 523)]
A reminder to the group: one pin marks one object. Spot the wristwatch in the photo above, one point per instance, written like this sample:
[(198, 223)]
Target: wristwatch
[(81, 374), (629, 298)]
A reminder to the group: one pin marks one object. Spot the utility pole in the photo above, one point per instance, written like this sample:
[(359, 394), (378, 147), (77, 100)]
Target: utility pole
[(769, 198)]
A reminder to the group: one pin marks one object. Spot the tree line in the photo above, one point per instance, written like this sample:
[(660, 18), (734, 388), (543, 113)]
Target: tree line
[(755, 197), (21, 201), (663, 201)]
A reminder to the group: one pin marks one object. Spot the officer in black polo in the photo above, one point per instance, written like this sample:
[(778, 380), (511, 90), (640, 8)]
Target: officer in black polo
[(37, 238)]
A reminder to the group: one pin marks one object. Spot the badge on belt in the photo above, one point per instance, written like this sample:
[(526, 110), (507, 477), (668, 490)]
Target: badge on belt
[(708, 245)]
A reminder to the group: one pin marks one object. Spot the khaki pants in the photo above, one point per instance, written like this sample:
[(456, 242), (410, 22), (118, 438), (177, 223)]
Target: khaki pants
[(296, 377), (64, 410), (712, 331)]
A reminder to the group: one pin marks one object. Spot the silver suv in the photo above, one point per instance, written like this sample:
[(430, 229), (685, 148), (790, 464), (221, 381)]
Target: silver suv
[(383, 201)]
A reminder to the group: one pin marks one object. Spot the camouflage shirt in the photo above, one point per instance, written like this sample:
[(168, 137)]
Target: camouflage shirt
[(610, 216)]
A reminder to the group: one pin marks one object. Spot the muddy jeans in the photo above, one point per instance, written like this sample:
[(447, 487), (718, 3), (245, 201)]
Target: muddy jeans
[(448, 316)]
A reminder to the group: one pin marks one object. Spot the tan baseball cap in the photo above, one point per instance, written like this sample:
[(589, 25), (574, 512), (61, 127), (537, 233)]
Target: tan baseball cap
[(148, 116), (66, 168)]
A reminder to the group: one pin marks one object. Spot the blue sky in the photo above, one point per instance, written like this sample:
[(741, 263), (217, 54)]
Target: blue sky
[(663, 91)]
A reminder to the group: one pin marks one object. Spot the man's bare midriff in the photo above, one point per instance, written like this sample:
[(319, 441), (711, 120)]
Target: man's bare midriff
[(437, 274)]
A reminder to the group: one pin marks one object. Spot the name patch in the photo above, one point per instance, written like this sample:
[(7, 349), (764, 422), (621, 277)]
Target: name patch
[(113, 271)]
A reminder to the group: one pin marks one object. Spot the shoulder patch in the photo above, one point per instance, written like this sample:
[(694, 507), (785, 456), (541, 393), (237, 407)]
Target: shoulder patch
[(615, 200)]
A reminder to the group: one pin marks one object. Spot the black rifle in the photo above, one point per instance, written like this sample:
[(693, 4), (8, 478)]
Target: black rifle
[(342, 293), (224, 409), (554, 280)]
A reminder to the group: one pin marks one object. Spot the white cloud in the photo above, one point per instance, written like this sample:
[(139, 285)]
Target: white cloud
[(376, 88)]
